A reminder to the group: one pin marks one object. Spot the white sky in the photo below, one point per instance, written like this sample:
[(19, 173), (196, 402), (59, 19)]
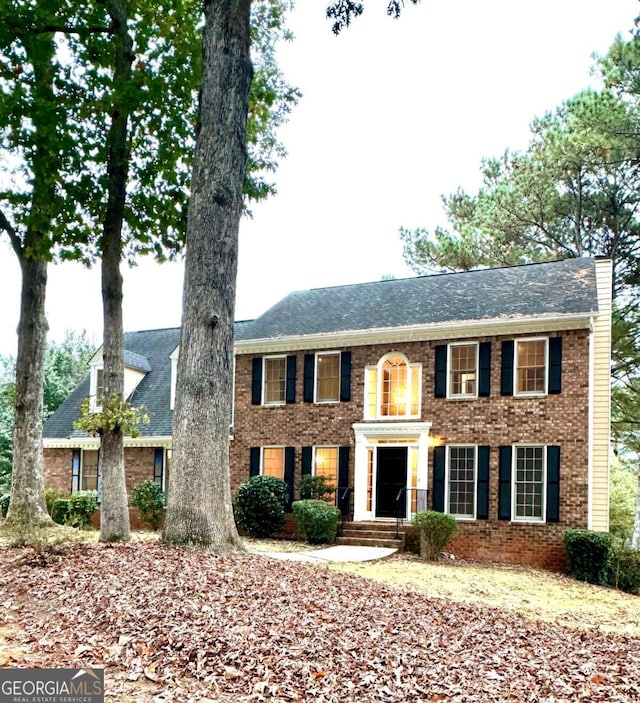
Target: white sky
[(394, 114)]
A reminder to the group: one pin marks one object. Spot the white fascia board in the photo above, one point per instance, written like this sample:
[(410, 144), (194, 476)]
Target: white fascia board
[(417, 333), (94, 442)]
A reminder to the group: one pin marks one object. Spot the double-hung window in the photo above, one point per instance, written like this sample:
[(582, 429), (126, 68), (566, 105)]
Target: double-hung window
[(529, 483), (461, 481), (531, 367), (327, 377), (275, 380), (273, 462), (463, 370)]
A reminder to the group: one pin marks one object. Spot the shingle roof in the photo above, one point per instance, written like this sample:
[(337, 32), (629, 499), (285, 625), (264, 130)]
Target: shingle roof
[(555, 288), (150, 348)]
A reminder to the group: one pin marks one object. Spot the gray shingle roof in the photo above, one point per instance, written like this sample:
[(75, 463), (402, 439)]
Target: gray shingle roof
[(555, 288), (150, 348)]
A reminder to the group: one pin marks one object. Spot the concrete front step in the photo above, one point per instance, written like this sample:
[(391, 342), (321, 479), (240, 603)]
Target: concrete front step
[(370, 542), (370, 534)]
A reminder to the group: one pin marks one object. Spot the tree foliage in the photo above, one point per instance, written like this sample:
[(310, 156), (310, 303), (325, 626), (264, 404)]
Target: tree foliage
[(575, 191)]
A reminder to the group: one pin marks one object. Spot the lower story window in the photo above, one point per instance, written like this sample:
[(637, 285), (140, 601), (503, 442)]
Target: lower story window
[(325, 464), (461, 483), (529, 483), (273, 462)]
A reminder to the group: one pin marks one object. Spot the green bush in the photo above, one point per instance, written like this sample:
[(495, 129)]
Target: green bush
[(148, 497), (4, 504), (588, 555), (316, 520), (622, 500), (50, 497), (316, 487), (624, 572), (75, 511), (436, 529), (259, 505)]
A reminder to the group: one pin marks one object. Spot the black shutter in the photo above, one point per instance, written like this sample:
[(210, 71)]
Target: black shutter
[(256, 381), (345, 376), (504, 484), (254, 461), (484, 359), (290, 387), (307, 458), (158, 465), (309, 371), (438, 478), (506, 368), (553, 484), (343, 467), (482, 499), (441, 371), (289, 470), (555, 365), (75, 470)]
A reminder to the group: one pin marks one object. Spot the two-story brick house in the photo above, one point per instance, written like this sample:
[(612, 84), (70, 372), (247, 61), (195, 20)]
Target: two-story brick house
[(482, 394)]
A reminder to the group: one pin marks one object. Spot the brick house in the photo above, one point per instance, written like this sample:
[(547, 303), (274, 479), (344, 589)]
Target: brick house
[(481, 394)]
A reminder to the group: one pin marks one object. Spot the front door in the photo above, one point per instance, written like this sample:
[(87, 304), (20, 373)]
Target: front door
[(391, 478)]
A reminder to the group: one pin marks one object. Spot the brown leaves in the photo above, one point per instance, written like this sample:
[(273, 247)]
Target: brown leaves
[(199, 626)]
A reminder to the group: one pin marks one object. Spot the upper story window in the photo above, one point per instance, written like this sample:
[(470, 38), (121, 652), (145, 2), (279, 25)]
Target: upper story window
[(531, 366), (463, 370), (275, 380), (327, 378), (393, 388)]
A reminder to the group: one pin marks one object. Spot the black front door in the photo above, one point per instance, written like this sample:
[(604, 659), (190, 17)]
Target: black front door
[(391, 478)]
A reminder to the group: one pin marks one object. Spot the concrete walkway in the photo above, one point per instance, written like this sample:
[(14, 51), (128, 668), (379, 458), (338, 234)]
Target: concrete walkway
[(338, 553)]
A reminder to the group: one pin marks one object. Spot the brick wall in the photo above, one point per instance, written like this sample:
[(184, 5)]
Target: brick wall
[(57, 467), (496, 420)]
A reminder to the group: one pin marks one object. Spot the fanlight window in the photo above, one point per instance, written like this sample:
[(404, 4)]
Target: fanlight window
[(393, 388)]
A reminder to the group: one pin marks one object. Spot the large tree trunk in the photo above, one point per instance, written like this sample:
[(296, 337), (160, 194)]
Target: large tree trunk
[(199, 510), (27, 508), (635, 539), (114, 509)]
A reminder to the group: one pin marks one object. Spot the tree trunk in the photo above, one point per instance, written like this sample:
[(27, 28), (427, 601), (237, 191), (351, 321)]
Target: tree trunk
[(199, 510), (635, 539), (114, 508), (27, 508)]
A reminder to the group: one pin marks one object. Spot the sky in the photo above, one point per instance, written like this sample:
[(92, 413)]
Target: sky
[(394, 114)]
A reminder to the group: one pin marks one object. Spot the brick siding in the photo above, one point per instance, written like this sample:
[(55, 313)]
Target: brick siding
[(495, 420)]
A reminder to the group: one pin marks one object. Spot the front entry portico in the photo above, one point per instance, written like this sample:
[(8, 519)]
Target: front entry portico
[(391, 469)]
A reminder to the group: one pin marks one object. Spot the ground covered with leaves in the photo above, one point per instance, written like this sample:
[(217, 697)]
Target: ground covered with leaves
[(179, 625)]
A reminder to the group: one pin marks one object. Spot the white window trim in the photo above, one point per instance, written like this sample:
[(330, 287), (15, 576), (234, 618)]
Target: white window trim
[(514, 464), (412, 368), (174, 356), (315, 377), (93, 386), (466, 518), (530, 394), (462, 396), (264, 380)]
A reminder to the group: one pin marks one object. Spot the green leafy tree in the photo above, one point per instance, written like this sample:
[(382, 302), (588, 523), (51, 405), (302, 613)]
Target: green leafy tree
[(199, 509), (109, 93), (575, 191)]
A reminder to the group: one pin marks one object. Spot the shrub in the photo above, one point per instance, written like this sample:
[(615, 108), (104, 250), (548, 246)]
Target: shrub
[(316, 487), (624, 572), (75, 511), (588, 555), (316, 520), (436, 529), (259, 505), (622, 501), (4, 504), (148, 497), (50, 497)]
